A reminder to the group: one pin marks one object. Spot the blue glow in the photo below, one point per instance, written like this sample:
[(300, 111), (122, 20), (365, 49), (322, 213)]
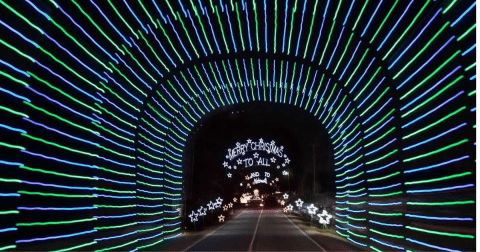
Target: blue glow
[(384, 187), (463, 14), (441, 189), (438, 218), (387, 244), (436, 165), (431, 246), (435, 137), (394, 26), (358, 243), (384, 204), (56, 237), (385, 224), (469, 49)]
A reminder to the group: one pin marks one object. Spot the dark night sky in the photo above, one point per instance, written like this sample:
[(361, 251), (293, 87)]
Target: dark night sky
[(287, 125)]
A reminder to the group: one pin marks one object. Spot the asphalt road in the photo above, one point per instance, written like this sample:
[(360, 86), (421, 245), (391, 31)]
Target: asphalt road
[(266, 230)]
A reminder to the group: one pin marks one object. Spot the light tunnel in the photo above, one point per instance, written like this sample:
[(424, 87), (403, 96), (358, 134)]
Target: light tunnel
[(99, 98)]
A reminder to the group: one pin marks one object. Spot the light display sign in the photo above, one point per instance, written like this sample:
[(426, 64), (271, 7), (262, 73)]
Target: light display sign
[(260, 153)]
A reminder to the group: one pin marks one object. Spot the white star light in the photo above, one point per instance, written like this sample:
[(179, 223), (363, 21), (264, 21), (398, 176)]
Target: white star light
[(278, 166), (235, 199), (202, 211), (287, 161), (282, 202), (235, 167), (285, 196), (249, 140), (261, 140), (285, 173), (225, 164), (324, 217), (290, 207), (219, 200), (299, 203), (230, 205), (229, 175), (255, 155), (193, 216), (312, 209), (211, 205), (221, 218), (272, 142), (283, 165), (238, 144), (285, 210), (239, 161), (272, 160)]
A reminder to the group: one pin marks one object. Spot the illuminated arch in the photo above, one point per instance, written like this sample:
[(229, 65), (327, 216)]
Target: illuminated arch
[(121, 142)]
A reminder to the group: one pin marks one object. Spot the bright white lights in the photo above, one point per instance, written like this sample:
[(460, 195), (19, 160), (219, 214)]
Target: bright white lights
[(193, 216), (202, 211), (282, 202), (235, 200), (285, 196), (285, 173), (324, 217), (211, 205), (229, 175), (312, 209), (299, 203), (225, 208), (290, 207), (221, 218)]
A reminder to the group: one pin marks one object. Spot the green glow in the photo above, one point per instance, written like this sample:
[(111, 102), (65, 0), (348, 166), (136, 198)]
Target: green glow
[(467, 32), (386, 194), (471, 66), (53, 222), (116, 247), (379, 121), (58, 145), (360, 15), (446, 203), (343, 54), (114, 227), (383, 22), (449, 6), (57, 195), (188, 36), (75, 247), (13, 78), (435, 123), (375, 102), (357, 235), (440, 233), (422, 50), (385, 214), (239, 26), (120, 16), (406, 30), (311, 27), (436, 151), (169, 40), (21, 16), (9, 212), (430, 76), (380, 138), (382, 157), (358, 65), (14, 112), (438, 179), (326, 45), (387, 234), (98, 28), (384, 177)]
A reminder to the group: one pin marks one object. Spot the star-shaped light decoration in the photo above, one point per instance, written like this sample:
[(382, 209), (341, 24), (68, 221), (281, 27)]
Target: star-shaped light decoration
[(290, 207), (255, 155), (285, 210), (219, 200), (272, 142), (221, 218), (312, 209), (211, 205), (287, 161), (249, 140), (235, 200), (324, 217), (230, 205), (241, 184), (247, 177), (283, 164), (277, 179), (202, 211), (299, 203), (225, 164), (278, 166), (193, 216), (285, 196), (229, 167), (285, 173), (261, 140), (282, 202), (229, 175), (238, 144), (234, 167), (273, 160), (225, 208), (239, 161)]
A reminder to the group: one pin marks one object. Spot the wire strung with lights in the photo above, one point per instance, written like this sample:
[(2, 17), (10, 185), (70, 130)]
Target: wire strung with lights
[(98, 99)]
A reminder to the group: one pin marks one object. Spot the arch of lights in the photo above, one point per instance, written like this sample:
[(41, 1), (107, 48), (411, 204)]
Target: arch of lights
[(99, 97)]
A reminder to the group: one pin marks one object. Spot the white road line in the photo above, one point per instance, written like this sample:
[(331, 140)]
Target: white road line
[(310, 238), (255, 233), (212, 232)]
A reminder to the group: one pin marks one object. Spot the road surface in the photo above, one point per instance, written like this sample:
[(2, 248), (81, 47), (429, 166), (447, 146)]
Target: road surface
[(266, 230)]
